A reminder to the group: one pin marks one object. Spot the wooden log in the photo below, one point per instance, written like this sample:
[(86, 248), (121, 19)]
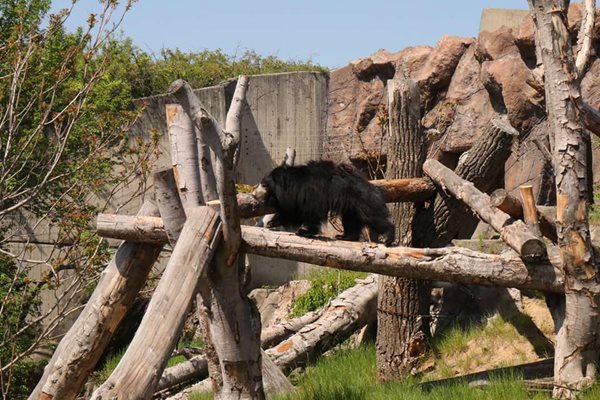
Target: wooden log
[(466, 267), (514, 232), (276, 333), (184, 155), (137, 374), (584, 37), (530, 212), (501, 199), (234, 319), (403, 304), (504, 201), (195, 368), (449, 264), (577, 351), (406, 190), (81, 348), (482, 165), (169, 203), (349, 311)]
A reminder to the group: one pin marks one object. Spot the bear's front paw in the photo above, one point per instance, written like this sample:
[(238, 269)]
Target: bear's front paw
[(306, 233)]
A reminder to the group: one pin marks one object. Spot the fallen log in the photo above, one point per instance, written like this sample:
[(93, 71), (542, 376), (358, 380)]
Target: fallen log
[(514, 232), (281, 331), (194, 368), (349, 311), (449, 264)]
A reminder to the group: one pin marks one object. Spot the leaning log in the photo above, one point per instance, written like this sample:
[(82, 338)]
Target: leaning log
[(514, 232), (450, 264), (79, 350), (138, 372)]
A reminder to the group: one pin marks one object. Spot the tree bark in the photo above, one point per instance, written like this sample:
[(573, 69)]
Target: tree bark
[(482, 165), (577, 347), (234, 320), (347, 312), (462, 265), (79, 350), (502, 200), (403, 304), (137, 374), (514, 232), (184, 156)]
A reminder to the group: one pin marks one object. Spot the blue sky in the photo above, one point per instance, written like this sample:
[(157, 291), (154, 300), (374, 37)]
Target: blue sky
[(328, 32)]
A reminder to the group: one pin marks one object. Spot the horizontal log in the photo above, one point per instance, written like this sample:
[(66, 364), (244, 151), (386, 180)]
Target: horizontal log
[(514, 232), (450, 264)]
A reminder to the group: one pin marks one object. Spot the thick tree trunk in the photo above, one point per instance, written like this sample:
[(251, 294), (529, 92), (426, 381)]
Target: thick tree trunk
[(514, 232), (137, 374), (577, 347), (403, 304), (483, 166), (79, 350), (450, 264), (349, 311)]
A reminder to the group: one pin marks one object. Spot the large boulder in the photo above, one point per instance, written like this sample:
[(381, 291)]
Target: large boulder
[(511, 85), (357, 102), (460, 117)]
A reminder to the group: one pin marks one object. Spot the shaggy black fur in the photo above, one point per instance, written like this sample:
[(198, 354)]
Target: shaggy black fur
[(304, 195)]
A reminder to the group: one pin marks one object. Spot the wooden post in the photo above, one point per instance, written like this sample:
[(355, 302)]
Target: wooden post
[(577, 351), (137, 374), (514, 233), (79, 350), (403, 304), (530, 212)]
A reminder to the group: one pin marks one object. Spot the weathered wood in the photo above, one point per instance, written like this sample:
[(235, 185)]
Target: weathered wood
[(403, 304), (577, 350), (79, 350), (137, 374), (406, 190), (234, 320), (450, 264), (276, 333), (504, 201), (347, 312), (195, 368), (146, 230), (501, 199), (184, 155), (530, 212), (464, 266), (169, 203), (584, 37), (482, 165), (514, 232)]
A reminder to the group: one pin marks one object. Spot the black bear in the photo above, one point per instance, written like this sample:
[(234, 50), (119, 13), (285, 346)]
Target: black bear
[(304, 195)]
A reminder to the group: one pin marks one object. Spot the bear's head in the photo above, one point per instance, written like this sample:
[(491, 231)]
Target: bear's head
[(271, 185)]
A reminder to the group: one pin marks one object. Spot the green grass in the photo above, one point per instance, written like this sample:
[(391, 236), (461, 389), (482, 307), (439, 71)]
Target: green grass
[(350, 375), (325, 285)]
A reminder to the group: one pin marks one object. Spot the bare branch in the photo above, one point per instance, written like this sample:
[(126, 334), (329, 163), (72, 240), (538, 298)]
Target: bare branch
[(584, 38)]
